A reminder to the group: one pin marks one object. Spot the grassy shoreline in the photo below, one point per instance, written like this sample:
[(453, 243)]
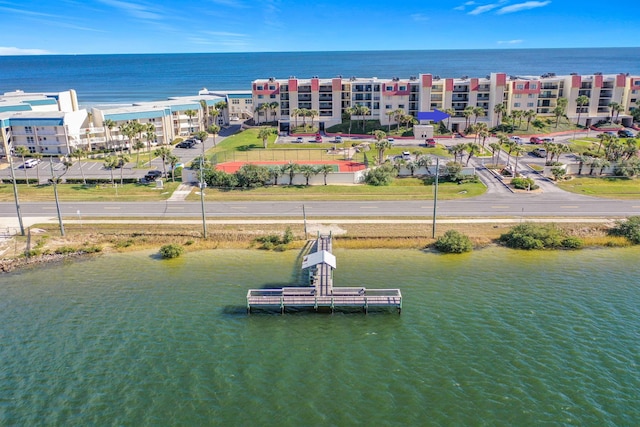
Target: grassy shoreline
[(46, 245)]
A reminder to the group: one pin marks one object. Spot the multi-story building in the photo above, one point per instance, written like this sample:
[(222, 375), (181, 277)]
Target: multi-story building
[(330, 98)]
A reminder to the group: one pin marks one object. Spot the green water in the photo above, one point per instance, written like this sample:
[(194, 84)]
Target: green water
[(496, 337)]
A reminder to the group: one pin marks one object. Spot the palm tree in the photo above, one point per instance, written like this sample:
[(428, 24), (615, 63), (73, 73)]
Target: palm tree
[(205, 112), (163, 153), (110, 163), (109, 124), (618, 109), (190, 114), (313, 114), (495, 148), (173, 160), (291, 169), (604, 138), (213, 130), (308, 171), (424, 161), (511, 146), (79, 153), (350, 111), (121, 161), (220, 107), (398, 114), (274, 109), (581, 101), (451, 112), (295, 113), (530, 115), (467, 113), (22, 151), (325, 170), (517, 151), (259, 109), (478, 112), (264, 134), (499, 109), (382, 146), (472, 149), (631, 148), (389, 114), (129, 130), (457, 149), (139, 145), (363, 111), (275, 172), (561, 109)]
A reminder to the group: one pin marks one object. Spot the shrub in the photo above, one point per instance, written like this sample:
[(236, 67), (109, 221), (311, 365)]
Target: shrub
[(453, 242), (538, 236), (379, 176), (522, 183), (171, 251), (629, 228)]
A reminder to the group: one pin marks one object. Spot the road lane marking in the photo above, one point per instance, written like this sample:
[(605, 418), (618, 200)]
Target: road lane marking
[(499, 207), (47, 208), (569, 207), (368, 207), (112, 207)]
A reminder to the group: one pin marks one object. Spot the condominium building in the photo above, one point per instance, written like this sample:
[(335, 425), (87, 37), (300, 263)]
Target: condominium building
[(330, 98)]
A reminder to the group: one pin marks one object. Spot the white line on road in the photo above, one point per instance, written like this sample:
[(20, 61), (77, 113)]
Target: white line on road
[(112, 207), (369, 207), (569, 207), (499, 207)]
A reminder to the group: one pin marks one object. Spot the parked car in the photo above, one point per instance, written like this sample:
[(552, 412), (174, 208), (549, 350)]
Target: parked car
[(535, 140), (540, 152), (299, 139), (406, 155), (610, 133), (430, 142), (625, 133), (516, 139), (318, 138), (338, 139), (189, 143), (153, 175), (390, 140), (31, 163), (547, 140)]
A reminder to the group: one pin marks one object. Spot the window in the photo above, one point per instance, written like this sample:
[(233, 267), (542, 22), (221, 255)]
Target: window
[(517, 95), (516, 105), (260, 96), (403, 87), (272, 96), (30, 140), (28, 129), (520, 86), (388, 107), (248, 101), (533, 86), (529, 104), (272, 87), (401, 106), (389, 88), (235, 101), (259, 87)]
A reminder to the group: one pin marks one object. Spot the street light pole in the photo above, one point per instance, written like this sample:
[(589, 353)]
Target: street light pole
[(202, 185), (15, 193), (435, 197)]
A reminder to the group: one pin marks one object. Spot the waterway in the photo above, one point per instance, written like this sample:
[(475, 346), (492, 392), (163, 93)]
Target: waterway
[(495, 337)]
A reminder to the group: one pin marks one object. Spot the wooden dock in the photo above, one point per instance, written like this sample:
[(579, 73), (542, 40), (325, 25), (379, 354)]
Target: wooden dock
[(320, 292)]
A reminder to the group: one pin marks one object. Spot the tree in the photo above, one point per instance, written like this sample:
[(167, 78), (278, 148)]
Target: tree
[(517, 151), (110, 163), (389, 114), (457, 149), (275, 172), (109, 124), (190, 114), (472, 149), (163, 153), (500, 110), (213, 130), (264, 134), (295, 113), (495, 149), (308, 171), (220, 107), (291, 169), (129, 130), (273, 106), (173, 160), (423, 161), (79, 153), (560, 109), (37, 156), (139, 145), (450, 112), (530, 115), (558, 172), (363, 111), (325, 170), (121, 161), (581, 101), (22, 151), (478, 112), (467, 113)]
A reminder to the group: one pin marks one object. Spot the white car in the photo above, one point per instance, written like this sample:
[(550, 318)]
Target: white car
[(516, 139), (31, 163), (406, 155)]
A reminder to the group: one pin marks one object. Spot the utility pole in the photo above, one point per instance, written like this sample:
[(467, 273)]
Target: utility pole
[(202, 186), (15, 192), (54, 180), (435, 197)]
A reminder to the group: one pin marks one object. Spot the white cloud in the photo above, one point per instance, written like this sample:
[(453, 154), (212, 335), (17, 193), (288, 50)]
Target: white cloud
[(224, 34), (516, 41), (419, 17), (139, 11), (522, 6), (484, 8), (19, 51), (462, 6)]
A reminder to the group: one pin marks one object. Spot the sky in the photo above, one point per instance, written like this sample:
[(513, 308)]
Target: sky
[(35, 27)]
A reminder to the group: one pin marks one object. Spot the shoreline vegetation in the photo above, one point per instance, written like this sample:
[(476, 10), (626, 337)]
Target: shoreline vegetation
[(43, 245)]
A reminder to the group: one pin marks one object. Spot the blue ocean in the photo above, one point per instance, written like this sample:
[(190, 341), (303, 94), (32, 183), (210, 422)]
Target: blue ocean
[(115, 79)]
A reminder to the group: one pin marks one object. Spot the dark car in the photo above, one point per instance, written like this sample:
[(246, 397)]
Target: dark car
[(152, 175), (625, 133), (189, 143)]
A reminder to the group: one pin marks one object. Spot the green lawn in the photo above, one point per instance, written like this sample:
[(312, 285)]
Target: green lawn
[(401, 189), (606, 187), (89, 193)]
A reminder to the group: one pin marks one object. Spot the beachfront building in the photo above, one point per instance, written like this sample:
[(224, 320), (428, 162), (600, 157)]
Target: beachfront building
[(466, 99), (45, 123)]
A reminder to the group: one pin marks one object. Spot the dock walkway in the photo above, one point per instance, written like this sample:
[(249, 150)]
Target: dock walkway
[(320, 292)]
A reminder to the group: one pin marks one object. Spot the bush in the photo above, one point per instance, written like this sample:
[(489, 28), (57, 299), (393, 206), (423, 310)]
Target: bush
[(273, 241), (629, 228), (524, 183), (537, 236), (453, 242), (379, 176), (171, 251)]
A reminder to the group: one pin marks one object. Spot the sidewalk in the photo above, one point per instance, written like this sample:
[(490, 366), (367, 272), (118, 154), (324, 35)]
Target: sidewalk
[(181, 193)]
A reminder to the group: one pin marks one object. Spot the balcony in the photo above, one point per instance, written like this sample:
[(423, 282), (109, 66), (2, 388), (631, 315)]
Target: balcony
[(547, 95), (459, 89)]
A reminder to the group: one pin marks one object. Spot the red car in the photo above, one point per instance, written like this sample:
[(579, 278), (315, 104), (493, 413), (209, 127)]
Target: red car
[(535, 140), (430, 142)]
